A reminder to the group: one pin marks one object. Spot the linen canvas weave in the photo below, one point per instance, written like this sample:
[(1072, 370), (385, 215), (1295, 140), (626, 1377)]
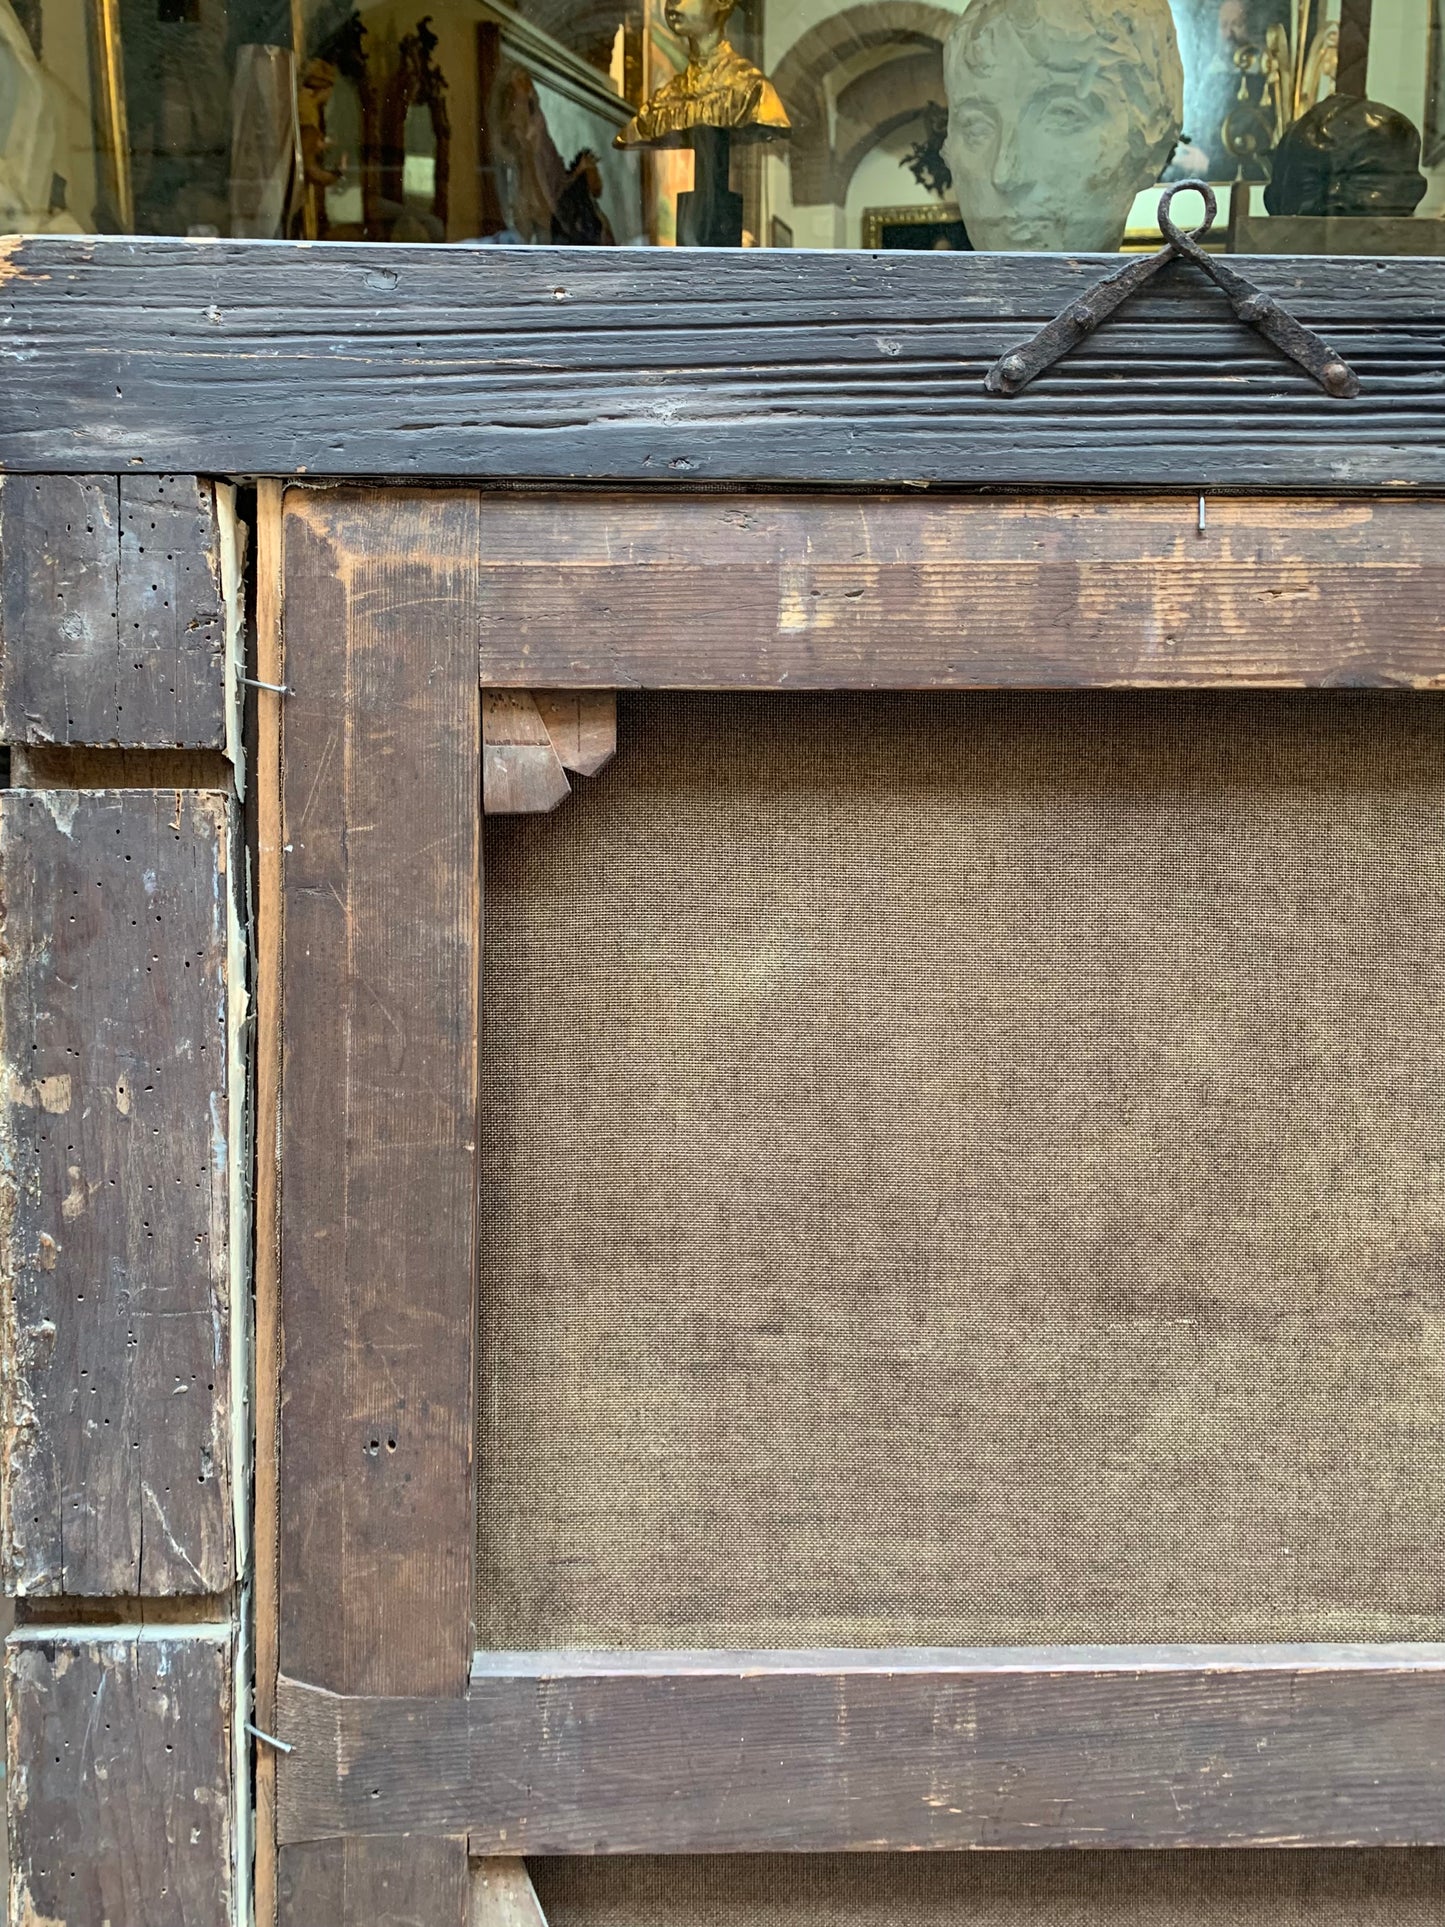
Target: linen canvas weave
[(967, 1169)]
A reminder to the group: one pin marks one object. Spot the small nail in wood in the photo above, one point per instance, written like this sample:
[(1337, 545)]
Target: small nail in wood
[(268, 1739)]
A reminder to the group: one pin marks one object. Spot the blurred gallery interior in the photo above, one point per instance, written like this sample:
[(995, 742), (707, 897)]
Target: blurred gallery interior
[(1015, 124)]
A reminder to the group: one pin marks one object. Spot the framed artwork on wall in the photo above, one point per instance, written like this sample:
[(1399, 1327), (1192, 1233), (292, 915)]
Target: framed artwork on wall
[(921, 229), (1239, 84)]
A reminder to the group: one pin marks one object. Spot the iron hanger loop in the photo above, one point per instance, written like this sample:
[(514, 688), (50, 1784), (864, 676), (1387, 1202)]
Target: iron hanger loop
[(1016, 369)]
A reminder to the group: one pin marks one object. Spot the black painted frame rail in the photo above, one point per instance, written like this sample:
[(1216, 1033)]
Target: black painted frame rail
[(693, 1752), (675, 366)]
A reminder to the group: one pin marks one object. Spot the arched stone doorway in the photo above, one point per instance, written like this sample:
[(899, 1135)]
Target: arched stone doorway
[(851, 80)]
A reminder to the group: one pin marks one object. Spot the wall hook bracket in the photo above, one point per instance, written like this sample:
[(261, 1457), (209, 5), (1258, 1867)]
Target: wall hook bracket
[(1015, 370)]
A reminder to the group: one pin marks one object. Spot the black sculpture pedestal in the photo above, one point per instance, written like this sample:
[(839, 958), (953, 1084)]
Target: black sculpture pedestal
[(712, 215)]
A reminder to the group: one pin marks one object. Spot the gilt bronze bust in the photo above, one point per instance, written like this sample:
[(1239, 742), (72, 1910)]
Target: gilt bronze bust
[(717, 88)]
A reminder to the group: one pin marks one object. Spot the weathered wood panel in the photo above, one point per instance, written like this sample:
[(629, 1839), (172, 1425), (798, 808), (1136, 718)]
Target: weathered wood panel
[(503, 1896), (111, 624), (48, 766), (172, 626), (721, 1753), (119, 1779), (682, 366), (381, 790), (59, 607), (408, 1880), (269, 951), (116, 1317), (521, 770), (382, 787), (737, 592)]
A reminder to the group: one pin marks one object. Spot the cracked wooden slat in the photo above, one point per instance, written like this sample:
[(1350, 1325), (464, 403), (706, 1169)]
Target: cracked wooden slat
[(116, 1342), (111, 622), (120, 1782)]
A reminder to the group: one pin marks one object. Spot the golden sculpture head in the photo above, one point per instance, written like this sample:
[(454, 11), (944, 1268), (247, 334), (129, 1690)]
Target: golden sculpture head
[(699, 22), (718, 87)]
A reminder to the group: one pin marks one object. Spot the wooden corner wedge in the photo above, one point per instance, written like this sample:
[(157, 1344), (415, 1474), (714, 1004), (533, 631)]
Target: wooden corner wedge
[(503, 1895), (582, 724), (521, 770)]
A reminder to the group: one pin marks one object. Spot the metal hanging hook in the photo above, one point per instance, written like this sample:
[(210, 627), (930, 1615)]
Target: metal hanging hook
[(1174, 235), (1015, 370)]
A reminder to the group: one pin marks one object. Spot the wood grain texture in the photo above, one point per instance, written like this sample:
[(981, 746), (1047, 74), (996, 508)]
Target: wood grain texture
[(512, 720), (381, 782), (172, 625), (734, 592), (408, 1880), (119, 1780), (520, 779), (59, 607), (116, 1320), (582, 726), (683, 366), (721, 1753), (61, 766), (503, 1896), (521, 770), (266, 1344), (111, 624)]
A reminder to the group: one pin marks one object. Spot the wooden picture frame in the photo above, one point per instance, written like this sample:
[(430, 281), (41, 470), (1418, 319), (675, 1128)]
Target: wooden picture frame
[(112, 136), (417, 84), (409, 1751), (1149, 515), (934, 222), (1316, 50), (345, 50)]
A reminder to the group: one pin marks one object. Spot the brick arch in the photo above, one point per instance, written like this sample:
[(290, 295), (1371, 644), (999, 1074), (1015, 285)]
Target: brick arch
[(879, 102), (898, 26)]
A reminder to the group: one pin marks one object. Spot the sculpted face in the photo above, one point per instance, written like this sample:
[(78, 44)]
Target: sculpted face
[(1059, 112), (697, 20)]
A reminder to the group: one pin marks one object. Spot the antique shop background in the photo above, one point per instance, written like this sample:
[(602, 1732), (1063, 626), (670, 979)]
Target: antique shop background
[(464, 120)]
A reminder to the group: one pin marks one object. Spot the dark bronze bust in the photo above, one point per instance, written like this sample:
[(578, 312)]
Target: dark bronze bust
[(1347, 156)]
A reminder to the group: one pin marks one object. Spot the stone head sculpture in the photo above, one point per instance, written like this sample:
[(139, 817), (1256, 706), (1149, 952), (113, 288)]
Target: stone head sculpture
[(1059, 112), (1347, 156)]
